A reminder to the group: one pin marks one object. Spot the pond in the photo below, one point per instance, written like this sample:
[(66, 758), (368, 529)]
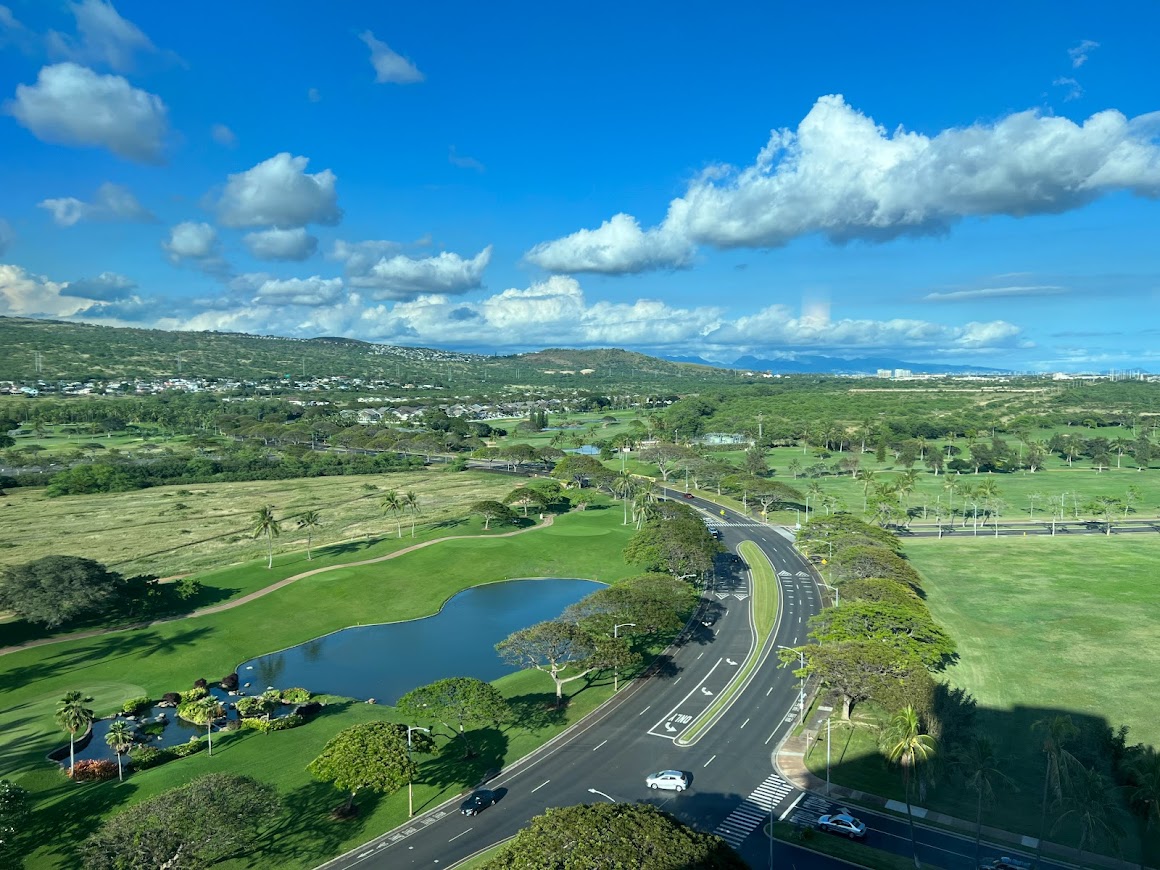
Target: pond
[(385, 662)]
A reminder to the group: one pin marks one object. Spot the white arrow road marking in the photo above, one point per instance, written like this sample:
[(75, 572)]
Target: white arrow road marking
[(669, 727), (730, 662), (705, 691)]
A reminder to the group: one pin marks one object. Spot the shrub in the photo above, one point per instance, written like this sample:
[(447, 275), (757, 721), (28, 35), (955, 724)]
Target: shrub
[(295, 696), (200, 683), (254, 705), (310, 708), (181, 750), (268, 725), (147, 756), (171, 698), (135, 706), (88, 770), (195, 694), (230, 682)]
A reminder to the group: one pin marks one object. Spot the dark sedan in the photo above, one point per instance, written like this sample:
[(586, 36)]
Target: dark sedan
[(478, 800)]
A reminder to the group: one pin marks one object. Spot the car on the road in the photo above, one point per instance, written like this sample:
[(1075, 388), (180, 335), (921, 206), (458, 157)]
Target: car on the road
[(844, 823), (1006, 863), (477, 801), (688, 495), (674, 780), (708, 620)]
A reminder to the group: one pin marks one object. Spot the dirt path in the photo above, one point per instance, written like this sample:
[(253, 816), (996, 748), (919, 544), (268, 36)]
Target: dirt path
[(266, 590)]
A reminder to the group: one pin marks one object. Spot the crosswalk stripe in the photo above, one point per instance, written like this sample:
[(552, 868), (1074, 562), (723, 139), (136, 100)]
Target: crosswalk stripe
[(752, 811)]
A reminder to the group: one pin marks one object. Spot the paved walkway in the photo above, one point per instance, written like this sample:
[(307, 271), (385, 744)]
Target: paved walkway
[(789, 761), (266, 590)]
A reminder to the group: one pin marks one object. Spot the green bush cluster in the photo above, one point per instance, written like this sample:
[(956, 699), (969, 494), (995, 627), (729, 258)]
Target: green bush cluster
[(295, 695), (136, 706), (267, 725), (144, 757)]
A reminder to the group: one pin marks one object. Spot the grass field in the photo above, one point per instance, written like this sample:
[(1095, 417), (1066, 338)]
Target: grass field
[(166, 657), (1044, 626), (170, 530)]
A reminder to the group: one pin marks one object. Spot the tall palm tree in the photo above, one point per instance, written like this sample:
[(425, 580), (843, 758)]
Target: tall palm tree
[(905, 744), (980, 767), (1056, 731), (309, 521), (1144, 785), (120, 738), (213, 709), (265, 524), (391, 504), (412, 504), (624, 485), (73, 715), (1091, 802), (867, 481)]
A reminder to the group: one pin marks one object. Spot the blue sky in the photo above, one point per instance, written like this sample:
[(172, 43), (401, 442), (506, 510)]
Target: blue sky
[(972, 184)]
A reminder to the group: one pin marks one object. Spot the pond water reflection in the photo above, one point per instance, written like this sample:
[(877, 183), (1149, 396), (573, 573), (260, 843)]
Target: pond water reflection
[(385, 662)]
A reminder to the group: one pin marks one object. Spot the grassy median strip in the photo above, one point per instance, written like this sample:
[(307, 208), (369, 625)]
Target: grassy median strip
[(764, 603), (847, 850)]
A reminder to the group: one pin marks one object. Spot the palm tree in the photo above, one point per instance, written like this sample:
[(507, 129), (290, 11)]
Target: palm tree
[(979, 766), (1091, 803), (392, 504), (120, 738), (74, 716), (411, 503), (265, 524), (905, 744), (624, 485), (867, 480), (1056, 731), (1144, 785), (213, 709), (309, 521)]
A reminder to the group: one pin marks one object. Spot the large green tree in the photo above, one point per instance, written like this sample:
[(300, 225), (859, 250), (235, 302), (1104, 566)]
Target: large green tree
[(908, 628), (457, 703), (493, 511), (553, 647), (74, 715), (371, 757), (13, 813), (212, 818), (857, 670), (56, 589), (610, 835)]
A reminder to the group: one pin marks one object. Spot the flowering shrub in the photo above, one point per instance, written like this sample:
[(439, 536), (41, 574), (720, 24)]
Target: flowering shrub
[(88, 770)]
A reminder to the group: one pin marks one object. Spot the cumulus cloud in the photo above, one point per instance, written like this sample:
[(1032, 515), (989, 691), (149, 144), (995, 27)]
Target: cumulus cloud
[(279, 192), (617, 247), (196, 243), (295, 244), (103, 37), (298, 291), (72, 105), (23, 294), (223, 135), (112, 203), (389, 66), (106, 287), (843, 176), (6, 236), (1079, 53), (360, 257), (398, 276), (1016, 292), (463, 161)]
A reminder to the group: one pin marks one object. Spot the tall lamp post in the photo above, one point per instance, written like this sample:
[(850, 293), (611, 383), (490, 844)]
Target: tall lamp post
[(616, 671), (410, 795), (802, 688)]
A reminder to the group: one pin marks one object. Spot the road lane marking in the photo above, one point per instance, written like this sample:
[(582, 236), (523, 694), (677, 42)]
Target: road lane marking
[(677, 680), (540, 786), (461, 833), (645, 710), (743, 724), (707, 763), (770, 737), (598, 745), (770, 689), (781, 818), (700, 654)]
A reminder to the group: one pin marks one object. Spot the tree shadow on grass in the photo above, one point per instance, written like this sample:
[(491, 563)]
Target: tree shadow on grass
[(306, 828), (450, 524), (448, 767), (66, 823), (536, 711)]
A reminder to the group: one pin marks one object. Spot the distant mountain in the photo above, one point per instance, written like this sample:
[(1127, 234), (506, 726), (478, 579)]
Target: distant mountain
[(832, 365)]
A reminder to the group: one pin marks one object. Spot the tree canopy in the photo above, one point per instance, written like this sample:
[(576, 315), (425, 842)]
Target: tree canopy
[(456, 703), (370, 756), (613, 835), (907, 628), (56, 589), (552, 647), (212, 818)]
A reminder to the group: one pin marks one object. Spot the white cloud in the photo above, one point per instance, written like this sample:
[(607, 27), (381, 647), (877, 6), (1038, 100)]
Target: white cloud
[(398, 276), (1079, 53), (223, 135), (112, 203), (843, 176), (389, 66), (314, 95), (6, 236), (360, 257), (23, 294), (196, 243), (1074, 89), (103, 37), (1017, 292), (617, 247), (278, 192), (72, 105), (463, 161), (298, 291), (106, 287), (295, 244)]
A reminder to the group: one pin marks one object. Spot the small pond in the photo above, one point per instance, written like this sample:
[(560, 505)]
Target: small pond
[(385, 662)]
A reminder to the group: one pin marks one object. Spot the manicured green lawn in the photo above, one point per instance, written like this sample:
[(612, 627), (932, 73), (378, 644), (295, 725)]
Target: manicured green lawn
[(169, 657)]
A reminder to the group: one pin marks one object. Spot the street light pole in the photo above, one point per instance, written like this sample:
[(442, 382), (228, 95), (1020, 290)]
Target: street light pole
[(410, 794), (615, 670), (802, 688), (602, 794)]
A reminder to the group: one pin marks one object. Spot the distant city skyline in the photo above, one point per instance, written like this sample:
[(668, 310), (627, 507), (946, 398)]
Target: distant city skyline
[(921, 183)]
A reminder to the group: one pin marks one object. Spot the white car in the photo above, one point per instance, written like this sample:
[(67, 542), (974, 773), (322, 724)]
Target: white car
[(670, 779), (843, 823)]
